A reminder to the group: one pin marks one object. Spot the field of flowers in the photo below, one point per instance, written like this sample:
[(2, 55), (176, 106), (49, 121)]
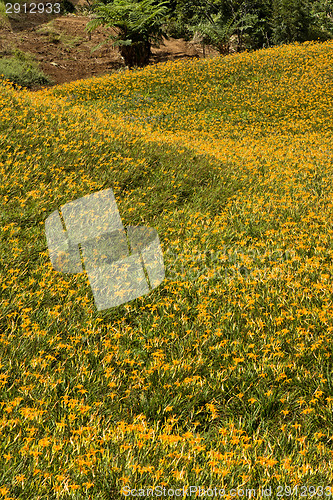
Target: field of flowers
[(222, 376)]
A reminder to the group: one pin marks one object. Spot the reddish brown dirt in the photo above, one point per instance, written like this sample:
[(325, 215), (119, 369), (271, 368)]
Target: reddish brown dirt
[(64, 48)]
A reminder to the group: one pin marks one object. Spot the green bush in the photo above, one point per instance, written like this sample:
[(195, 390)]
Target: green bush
[(291, 21), (22, 70), (322, 20), (176, 29), (139, 23), (256, 23)]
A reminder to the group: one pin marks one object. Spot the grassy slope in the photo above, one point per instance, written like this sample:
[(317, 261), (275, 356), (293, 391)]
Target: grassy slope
[(222, 375)]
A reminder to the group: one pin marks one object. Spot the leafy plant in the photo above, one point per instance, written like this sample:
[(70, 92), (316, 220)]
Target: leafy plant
[(321, 20), (291, 21), (22, 70), (139, 24), (217, 31), (255, 23)]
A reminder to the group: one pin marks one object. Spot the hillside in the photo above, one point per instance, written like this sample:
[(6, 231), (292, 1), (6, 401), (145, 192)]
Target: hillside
[(64, 50), (221, 376)]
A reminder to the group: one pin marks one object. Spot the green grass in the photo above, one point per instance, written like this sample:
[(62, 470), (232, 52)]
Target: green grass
[(22, 69), (54, 36), (3, 16), (221, 376)]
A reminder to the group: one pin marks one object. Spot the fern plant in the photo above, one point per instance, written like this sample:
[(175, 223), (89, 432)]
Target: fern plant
[(217, 31), (138, 24)]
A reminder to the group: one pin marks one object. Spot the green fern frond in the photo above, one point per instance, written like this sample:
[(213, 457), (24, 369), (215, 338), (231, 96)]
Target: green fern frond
[(136, 20)]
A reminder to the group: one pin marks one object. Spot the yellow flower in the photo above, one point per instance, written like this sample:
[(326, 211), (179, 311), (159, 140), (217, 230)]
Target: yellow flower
[(44, 442)]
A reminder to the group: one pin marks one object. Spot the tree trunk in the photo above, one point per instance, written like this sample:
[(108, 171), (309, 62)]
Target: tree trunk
[(136, 54), (224, 48)]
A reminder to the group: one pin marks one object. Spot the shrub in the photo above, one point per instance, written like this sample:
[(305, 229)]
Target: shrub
[(139, 24), (21, 69), (291, 21)]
